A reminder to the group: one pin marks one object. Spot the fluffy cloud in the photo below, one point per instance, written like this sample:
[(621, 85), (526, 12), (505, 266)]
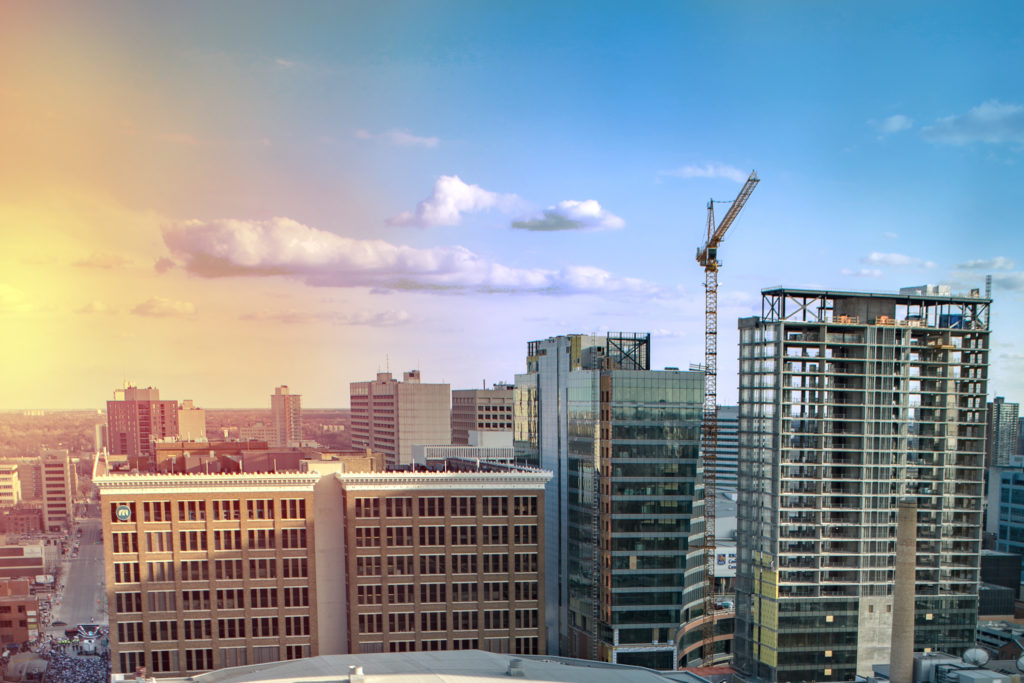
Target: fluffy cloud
[(992, 122), (572, 215), (281, 246), (862, 272), (370, 319), (896, 260), (997, 263), (159, 307), (892, 124), (401, 138), (890, 236), (712, 170), (450, 199)]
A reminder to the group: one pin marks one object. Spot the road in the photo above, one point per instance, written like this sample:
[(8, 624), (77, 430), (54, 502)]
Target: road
[(84, 597)]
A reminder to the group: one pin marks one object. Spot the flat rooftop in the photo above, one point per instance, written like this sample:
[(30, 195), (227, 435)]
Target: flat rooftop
[(451, 666)]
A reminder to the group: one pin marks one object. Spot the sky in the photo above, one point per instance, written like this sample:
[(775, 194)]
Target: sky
[(218, 198)]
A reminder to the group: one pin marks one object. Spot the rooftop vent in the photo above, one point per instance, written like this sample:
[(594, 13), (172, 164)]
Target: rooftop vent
[(515, 668)]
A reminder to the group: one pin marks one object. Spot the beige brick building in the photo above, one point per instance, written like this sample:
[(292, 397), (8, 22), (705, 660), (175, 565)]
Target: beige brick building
[(445, 561), (209, 571)]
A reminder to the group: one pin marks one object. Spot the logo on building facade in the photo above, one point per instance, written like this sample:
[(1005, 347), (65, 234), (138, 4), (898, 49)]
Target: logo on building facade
[(123, 513)]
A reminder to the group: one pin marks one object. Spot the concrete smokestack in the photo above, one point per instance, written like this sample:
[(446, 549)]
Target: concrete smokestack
[(901, 658)]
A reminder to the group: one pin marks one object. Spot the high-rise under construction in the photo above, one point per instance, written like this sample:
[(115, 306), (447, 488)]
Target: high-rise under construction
[(849, 403)]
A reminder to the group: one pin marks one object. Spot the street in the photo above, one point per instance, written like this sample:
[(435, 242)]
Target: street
[(83, 600)]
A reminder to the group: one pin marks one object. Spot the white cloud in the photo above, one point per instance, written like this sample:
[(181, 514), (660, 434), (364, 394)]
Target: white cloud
[(369, 318), (893, 124), (401, 138), (992, 122), (997, 263), (450, 199), (712, 170), (96, 307), (862, 272), (572, 215), (281, 246), (896, 260), (890, 236), (159, 307), (103, 261), (1011, 281)]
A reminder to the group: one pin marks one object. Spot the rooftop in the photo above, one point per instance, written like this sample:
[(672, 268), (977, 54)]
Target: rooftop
[(462, 666)]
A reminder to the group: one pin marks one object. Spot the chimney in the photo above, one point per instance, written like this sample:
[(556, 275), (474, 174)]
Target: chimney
[(901, 654)]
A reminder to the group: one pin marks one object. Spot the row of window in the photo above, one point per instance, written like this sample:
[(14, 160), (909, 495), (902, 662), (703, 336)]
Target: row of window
[(407, 593), (202, 659), (402, 565), (491, 534), (435, 506), (468, 620), (525, 645), (225, 598), (195, 629), (220, 510)]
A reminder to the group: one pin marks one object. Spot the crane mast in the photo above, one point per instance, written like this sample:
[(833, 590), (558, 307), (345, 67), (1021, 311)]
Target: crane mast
[(707, 256)]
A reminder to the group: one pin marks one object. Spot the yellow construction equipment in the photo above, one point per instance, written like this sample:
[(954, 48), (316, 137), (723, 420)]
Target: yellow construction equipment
[(707, 256)]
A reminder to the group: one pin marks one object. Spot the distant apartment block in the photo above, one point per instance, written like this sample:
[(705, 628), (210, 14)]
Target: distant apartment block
[(19, 612), (137, 417), (286, 417), (191, 422), (1002, 423), (437, 457), (390, 416), (850, 402), (445, 561), (59, 483), (257, 432), (10, 485), (487, 412)]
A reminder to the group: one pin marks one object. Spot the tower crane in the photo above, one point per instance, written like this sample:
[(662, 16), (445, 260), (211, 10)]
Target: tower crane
[(707, 257)]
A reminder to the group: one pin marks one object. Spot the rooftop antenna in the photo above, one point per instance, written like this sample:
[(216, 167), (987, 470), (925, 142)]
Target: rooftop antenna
[(988, 286)]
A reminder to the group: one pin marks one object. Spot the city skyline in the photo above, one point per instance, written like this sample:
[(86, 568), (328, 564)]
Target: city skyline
[(219, 199)]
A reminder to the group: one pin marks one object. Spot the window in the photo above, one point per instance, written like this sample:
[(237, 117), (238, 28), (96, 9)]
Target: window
[(161, 601), (372, 623), (262, 597), (367, 537), (297, 596), (433, 592), (128, 602), (432, 564), (261, 508), (525, 534), (368, 566), (231, 628), (527, 562), (158, 541), (295, 567), (398, 536), (526, 590), (263, 568), (224, 510), (293, 508), (398, 507), (197, 629), (227, 539), (367, 507), (293, 538), (165, 661), (264, 627), (496, 619), (191, 510), (495, 506), (191, 541), (370, 595), (163, 630), (195, 570), (230, 598), (400, 565), (126, 572), (199, 660), (432, 535), (130, 632), (228, 569), (296, 626), (496, 563), (160, 571), (433, 621), (261, 539), (431, 506), (464, 535), (463, 506), (124, 543), (464, 564), (195, 600), (494, 534), (466, 620)]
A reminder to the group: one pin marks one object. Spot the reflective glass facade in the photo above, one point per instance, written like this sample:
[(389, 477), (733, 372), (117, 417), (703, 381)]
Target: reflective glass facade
[(635, 513)]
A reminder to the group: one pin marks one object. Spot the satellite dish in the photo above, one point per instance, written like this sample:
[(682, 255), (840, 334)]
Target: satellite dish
[(1020, 663), (977, 657)]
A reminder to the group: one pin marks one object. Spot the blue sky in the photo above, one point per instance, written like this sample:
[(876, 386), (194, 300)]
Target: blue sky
[(335, 187)]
